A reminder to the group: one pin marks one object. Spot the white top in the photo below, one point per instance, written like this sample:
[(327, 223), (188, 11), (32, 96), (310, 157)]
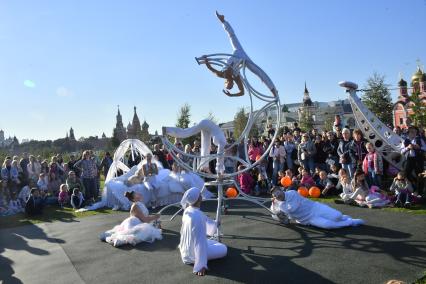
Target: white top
[(193, 237), (143, 208)]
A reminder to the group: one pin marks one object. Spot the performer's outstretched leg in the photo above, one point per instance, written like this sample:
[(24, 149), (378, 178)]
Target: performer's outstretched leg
[(215, 250)]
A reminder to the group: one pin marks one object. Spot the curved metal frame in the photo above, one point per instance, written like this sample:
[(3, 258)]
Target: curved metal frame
[(220, 59), (375, 131)]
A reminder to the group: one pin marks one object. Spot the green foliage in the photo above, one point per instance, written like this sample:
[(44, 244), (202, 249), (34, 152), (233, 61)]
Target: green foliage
[(184, 116), (240, 121), (183, 121), (306, 121), (378, 98), (285, 108), (328, 122), (419, 110), (115, 141)]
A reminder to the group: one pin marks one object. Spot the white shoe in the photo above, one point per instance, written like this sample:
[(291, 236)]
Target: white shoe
[(116, 207)]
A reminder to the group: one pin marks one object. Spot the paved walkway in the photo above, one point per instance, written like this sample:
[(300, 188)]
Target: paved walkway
[(390, 246)]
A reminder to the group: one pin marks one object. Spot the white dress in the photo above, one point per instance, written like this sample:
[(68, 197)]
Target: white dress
[(132, 231), (194, 246), (308, 212)]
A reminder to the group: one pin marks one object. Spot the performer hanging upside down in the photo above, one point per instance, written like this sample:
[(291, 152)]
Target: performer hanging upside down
[(308, 212), (231, 72), (209, 130), (230, 78), (136, 228), (194, 246)]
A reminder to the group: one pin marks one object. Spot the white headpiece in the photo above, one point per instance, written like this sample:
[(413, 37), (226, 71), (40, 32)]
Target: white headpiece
[(190, 197)]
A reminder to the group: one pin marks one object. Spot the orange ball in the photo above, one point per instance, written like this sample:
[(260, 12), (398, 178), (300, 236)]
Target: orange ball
[(258, 157), (231, 192), (314, 192), (286, 181), (303, 191)]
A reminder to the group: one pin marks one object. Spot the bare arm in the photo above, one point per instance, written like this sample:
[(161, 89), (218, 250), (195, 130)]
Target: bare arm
[(240, 88), (216, 72)]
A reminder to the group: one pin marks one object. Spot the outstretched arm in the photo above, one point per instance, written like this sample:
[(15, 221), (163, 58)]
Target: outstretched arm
[(216, 72), (240, 88)]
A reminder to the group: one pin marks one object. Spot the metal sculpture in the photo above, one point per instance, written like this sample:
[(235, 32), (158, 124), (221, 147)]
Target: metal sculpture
[(233, 69), (376, 132)]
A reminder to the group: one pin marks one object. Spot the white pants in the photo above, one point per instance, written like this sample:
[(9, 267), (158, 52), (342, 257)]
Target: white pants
[(240, 54), (209, 131), (215, 250), (329, 218)]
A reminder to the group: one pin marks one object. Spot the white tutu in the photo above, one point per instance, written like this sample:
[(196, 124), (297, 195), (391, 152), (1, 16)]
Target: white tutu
[(132, 231)]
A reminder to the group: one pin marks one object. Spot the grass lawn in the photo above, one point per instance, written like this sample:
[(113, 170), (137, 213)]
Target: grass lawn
[(50, 214), (419, 209)]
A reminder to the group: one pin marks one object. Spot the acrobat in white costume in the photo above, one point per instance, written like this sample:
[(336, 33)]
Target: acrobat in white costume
[(209, 131), (308, 212), (194, 246), (239, 55)]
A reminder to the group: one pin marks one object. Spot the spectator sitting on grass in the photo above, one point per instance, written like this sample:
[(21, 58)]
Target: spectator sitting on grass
[(403, 190), (74, 182), (42, 182), (25, 192), (77, 199), (35, 203), (306, 181), (294, 181), (63, 196), (53, 185), (262, 185), (325, 184), (15, 205)]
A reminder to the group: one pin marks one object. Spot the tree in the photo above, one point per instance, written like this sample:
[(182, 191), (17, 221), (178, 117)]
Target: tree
[(184, 115), (328, 122), (183, 121), (240, 122), (419, 110), (378, 99), (306, 122), (115, 140), (285, 108)]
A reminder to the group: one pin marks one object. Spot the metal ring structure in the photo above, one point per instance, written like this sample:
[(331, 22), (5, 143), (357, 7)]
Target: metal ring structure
[(272, 102), (376, 132)]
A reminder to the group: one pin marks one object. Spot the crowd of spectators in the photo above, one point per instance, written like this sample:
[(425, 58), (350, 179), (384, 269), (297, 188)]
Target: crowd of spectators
[(340, 163)]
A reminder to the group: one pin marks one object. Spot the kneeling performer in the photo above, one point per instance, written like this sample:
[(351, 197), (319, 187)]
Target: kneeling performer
[(194, 246)]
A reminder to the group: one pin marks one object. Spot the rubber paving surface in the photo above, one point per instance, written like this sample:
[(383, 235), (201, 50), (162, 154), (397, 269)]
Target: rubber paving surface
[(390, 246)]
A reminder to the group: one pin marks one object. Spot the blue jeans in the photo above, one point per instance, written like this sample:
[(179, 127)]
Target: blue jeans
[(90, 187), (275, 168), (309, 165), (373, 179), (290, 163), (350, 169)]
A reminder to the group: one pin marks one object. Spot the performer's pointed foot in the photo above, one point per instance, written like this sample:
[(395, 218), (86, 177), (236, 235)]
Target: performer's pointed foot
[(220, 17)]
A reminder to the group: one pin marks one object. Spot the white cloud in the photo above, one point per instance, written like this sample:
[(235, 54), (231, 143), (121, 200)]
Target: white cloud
[(64, 92)]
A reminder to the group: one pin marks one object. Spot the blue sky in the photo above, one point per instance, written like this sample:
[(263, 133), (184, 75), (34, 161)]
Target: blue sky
[(86, 57)]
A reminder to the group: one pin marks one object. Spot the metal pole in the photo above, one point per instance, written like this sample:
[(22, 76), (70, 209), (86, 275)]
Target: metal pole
[(219, 207)]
